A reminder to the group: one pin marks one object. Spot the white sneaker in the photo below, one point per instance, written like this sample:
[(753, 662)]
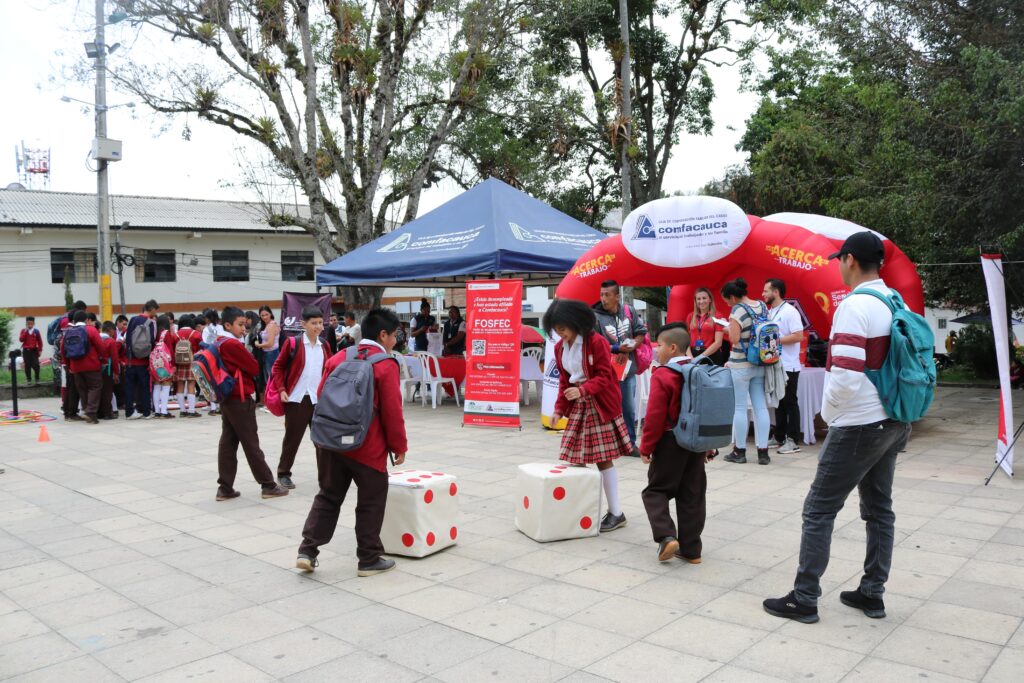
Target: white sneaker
[(788, 447), (134, 416), (148, 417), (772, 443)]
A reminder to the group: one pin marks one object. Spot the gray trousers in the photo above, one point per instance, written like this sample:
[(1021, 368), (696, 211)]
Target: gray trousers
[(863, 456)]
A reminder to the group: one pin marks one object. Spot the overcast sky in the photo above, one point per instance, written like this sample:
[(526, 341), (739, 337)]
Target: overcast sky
[(40, 39)]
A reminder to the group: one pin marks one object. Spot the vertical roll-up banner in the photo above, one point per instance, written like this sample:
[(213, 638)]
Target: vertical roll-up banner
[(547, 404), (992, 267), (494, 314), (292, 304)]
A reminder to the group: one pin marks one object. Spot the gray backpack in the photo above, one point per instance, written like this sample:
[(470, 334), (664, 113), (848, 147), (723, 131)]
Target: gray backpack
[(344, 409), (706, 406)]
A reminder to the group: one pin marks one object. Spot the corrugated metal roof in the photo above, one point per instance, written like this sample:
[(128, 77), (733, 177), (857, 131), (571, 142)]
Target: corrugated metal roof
[(78, 210)]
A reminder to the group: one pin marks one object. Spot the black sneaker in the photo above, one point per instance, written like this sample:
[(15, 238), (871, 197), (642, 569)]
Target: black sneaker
[(306, 563), (285, 482), (762, 456), (379, 567), (788, 608), (612, 522), (738, 456), (667, 549), (872, 607), (227, 495)]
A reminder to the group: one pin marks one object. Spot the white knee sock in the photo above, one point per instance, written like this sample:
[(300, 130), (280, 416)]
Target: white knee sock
[(191, 398), (156, 400), (180, 398), (610, 479), (165, 398)]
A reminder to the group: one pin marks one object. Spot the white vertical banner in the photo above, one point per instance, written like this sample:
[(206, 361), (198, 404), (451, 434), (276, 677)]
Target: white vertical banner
[(550, 396), (992, 267)]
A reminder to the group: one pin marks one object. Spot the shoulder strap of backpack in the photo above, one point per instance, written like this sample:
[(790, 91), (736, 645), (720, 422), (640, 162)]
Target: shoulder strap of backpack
[(889, 302)]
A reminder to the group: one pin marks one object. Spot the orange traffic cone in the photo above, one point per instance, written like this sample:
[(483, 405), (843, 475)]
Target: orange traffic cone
[(44, 436)]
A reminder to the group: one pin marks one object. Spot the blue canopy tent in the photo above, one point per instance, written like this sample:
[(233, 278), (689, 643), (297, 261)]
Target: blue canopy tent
[(490, 230)]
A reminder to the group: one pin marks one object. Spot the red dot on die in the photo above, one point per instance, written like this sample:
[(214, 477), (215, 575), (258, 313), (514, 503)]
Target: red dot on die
[(558, 493), (425, 476), (453, 489), (428, 497), (407, 540), (556, 471), (561, 467), (413, 481), (453, 533), (526, 502), (586, 523), (430, 538), (438, 474)]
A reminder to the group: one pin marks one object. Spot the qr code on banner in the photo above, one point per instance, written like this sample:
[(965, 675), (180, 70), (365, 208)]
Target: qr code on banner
[(479, 347)]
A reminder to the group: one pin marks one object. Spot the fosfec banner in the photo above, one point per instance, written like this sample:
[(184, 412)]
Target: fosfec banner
[(494, 313)]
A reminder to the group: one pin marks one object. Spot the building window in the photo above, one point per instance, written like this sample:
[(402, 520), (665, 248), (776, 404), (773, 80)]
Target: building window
[(297, 266), (942, 323), (230, 265), (79, 264), (155, 265)]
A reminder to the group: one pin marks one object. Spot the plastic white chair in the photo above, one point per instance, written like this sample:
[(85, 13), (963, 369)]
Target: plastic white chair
[(409, 381), (529, 371), (432, 380), (643, 393), (534, 352)]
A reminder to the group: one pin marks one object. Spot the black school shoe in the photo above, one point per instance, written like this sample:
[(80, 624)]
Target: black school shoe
[(788, 608), (612, 522), (379, 567), (762, 456), (872, 607), (738, 456), (227, 495), (285, 482)]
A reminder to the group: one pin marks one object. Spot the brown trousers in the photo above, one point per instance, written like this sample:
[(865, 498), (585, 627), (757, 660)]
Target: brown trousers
[(677, 473), (90, 386), (107, 397), (238, 426), (297, 417), (336, 473)]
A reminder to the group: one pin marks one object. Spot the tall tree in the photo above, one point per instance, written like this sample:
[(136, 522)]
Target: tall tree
[(352, 99), (912, 124)]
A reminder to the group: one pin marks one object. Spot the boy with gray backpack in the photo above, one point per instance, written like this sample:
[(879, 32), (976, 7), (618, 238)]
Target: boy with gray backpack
[(357, 424), (689, 414)]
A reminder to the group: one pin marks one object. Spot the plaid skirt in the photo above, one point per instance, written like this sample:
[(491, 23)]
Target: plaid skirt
[(586, 440), (183, 373)]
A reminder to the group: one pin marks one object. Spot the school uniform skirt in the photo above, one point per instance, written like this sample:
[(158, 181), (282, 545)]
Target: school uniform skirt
[(183, 373), (586, 440)]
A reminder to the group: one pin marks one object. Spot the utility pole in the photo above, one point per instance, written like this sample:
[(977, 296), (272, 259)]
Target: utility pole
[(120, 265), (102, 188), (626, 79), (625, 75)]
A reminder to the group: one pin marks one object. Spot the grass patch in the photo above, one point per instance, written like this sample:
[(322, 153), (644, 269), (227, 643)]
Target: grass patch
[(45, 375), (962, 375)]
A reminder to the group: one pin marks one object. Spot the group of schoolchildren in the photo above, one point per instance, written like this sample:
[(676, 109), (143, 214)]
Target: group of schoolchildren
[(862, 452)]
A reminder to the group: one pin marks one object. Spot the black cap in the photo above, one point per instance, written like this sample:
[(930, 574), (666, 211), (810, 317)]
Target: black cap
[(863, 246)]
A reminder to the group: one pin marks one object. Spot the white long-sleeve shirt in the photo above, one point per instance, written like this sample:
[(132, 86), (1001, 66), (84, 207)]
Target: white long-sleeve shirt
[(860, 338)]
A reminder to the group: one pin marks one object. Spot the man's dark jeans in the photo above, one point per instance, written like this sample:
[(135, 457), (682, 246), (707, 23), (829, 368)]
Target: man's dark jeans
[(787, 415), (863, 456), (136, 390)]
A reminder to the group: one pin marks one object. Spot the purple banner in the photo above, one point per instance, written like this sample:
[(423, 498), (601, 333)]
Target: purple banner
[(292, 304)]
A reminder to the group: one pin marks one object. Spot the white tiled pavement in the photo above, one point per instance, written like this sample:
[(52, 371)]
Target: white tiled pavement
[(116, 564)]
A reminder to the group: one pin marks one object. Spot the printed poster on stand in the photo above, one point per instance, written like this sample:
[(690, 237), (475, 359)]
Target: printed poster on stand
[(494, 312)]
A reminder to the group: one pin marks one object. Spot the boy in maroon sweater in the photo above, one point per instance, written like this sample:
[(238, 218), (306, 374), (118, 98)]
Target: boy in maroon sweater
[(238, 413), (674, 471), (86, 370), (31, 346), (367, 465)]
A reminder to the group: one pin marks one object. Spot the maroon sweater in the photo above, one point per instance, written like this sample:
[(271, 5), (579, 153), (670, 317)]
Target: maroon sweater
[(662, 407), (286, 375), (600, 382), (240, 364)]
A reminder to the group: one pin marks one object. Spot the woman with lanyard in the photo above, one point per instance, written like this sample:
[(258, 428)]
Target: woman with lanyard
[(705, 332)]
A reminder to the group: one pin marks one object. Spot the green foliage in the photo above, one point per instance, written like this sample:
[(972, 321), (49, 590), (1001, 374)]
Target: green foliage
[(975, 350), (6, 332), (69, 298), (911, 124)]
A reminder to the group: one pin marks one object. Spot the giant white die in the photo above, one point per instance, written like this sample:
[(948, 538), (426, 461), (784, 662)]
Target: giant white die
[(422, 512), (557, 501)]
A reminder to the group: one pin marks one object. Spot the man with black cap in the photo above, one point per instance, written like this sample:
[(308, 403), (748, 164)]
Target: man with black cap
[(861, 447)]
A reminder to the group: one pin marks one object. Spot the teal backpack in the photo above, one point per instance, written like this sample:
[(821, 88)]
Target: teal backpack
[(906, 380)]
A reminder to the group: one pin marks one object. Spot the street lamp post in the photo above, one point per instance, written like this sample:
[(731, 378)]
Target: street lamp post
[(102, 188)]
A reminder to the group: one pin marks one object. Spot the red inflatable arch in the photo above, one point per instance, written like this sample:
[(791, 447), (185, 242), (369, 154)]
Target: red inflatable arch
[(690, 242)]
